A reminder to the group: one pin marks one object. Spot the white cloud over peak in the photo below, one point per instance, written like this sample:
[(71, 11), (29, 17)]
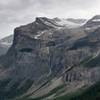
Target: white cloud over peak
[(16, 12)]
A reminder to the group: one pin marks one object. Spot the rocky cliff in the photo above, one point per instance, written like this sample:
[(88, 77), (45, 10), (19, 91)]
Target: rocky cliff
[(48, 55)]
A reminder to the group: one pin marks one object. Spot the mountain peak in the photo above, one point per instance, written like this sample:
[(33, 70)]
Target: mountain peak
[(96, 17), (41, 19), (51, 23), (45, 55)]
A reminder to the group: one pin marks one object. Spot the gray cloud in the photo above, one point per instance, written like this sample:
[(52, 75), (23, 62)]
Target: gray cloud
[(16, 12)]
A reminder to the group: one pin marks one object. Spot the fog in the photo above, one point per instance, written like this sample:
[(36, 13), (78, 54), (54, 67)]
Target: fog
[(14, 13)]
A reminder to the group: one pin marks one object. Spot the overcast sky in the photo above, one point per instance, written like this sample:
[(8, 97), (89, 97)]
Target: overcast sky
[(14, 13)]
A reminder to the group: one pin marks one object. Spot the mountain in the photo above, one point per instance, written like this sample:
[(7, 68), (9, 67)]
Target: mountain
[(48, 60), (5, 44), (77, 21), (70, 22), (93, 22), (8, 39)]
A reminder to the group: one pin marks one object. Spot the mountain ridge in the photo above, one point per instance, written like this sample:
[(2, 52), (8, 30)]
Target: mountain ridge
[(48, 59)]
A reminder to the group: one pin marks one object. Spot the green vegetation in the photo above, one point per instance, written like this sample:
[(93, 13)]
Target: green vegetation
[(14, 91), (91, 61), (87, 59), (3, 84), (24, 88), (50, 93), (43, 97), (92, 93)]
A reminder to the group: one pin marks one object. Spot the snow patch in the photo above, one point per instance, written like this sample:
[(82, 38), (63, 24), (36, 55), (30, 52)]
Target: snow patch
[(93, 27), (38, 35), (96, 20), (6, 43), (65, 22)]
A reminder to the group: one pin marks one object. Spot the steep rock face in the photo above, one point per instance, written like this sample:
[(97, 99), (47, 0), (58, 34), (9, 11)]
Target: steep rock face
[(41, 44), (37, 52), (46, 49)]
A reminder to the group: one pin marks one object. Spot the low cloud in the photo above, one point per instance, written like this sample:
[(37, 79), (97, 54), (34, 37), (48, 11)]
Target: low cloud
[(16, 12)]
